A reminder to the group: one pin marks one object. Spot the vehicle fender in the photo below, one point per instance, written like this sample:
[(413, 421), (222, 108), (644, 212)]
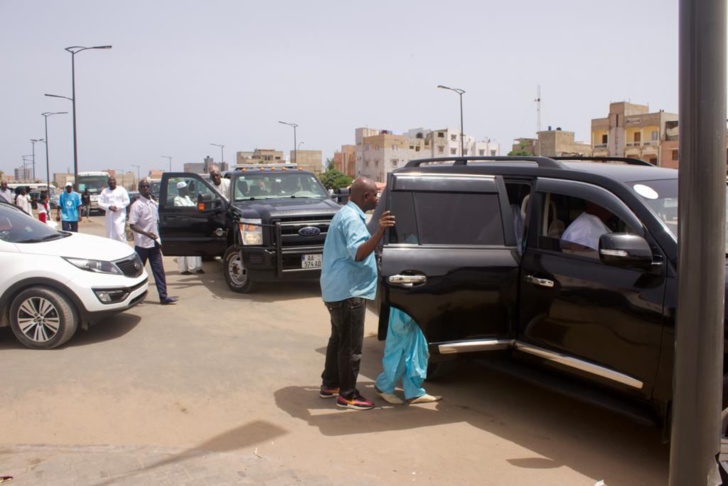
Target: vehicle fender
[(18, 287)]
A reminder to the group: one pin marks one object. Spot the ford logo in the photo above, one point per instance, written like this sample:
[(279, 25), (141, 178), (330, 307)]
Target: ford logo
[(309, 231)]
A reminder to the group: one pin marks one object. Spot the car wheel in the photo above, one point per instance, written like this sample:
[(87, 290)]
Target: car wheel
[(42, 318), (236, 275), (440, 369)]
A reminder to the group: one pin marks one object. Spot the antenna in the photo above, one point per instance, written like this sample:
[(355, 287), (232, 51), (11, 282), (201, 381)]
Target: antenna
[(538, 108)]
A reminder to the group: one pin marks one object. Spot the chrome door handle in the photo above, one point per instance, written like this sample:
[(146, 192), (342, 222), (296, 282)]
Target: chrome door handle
[(407, 280), (543, 282)]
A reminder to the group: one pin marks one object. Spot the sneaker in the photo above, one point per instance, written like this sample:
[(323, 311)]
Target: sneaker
[(389, 397), (168, 300), (328, 392), (426, 398), (356, 403)]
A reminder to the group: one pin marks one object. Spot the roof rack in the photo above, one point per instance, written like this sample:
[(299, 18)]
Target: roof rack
[(544, 162), (626, 160)]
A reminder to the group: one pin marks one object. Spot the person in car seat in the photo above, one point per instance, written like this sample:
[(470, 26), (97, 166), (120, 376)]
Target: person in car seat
[(586, 229), (186, 264)]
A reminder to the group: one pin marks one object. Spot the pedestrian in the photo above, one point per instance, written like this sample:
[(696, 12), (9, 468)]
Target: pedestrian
[(43, 209), (22, 201), (5, 193), (69, 202), (405, 358), (144, 222), (86, 203), (221, 184), (114, 200), (348, 278), (187, 264)]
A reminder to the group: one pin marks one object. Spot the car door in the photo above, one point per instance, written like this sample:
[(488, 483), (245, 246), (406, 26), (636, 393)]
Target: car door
[(187, 230), (581, 315), (451, 260)]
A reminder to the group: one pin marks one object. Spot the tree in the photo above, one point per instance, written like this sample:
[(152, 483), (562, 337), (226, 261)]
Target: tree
[(524, 149), (334, 179)]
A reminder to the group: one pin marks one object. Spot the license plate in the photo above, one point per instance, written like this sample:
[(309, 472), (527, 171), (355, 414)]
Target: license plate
[(311, 261)]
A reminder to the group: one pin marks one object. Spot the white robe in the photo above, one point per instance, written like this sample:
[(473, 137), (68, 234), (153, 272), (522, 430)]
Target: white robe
[(187, 263), (115, 220)]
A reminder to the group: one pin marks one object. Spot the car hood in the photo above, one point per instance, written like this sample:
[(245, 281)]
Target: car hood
[(272, 208), (79, 245)]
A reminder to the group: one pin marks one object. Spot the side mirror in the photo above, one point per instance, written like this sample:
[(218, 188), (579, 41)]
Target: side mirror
[(205, 202), (624, 250)]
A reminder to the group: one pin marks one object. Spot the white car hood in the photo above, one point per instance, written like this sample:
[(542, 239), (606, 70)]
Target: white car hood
[(79, 245)]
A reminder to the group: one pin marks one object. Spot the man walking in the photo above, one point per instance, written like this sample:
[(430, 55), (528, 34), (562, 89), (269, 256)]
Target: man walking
[(68, 204), (86, 203), (114, 201), (348, 277), (222, 185), (6, 193), (144, 222)]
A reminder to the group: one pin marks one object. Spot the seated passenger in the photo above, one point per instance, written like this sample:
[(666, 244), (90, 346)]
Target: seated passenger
[(585, 230)]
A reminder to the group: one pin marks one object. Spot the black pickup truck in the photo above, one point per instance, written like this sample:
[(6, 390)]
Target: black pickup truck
[(270, 227), (506, 254)]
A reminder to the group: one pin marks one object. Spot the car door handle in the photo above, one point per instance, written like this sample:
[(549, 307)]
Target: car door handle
[(407, 280), (543, 282)]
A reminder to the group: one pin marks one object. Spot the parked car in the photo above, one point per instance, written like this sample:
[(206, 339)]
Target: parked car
[(53, 282), (270, 228), (478, 260)]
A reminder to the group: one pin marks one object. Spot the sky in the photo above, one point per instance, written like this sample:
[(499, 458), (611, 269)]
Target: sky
[(183, 75)]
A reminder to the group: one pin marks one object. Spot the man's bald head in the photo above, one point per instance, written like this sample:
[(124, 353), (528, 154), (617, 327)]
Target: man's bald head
[(363, 193)]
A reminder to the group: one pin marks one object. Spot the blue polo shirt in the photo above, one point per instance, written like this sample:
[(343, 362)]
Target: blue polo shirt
[(69, 203), (342, 277)]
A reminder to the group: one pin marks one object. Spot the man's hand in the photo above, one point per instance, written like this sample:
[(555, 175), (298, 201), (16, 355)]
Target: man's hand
[(386, 220), (113, 208)]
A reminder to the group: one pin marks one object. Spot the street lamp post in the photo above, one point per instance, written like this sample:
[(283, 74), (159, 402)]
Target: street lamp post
[(32, 143), (295, 160), (222, 153), (48, 170), (168, 157), (75, 50), (462, 133)]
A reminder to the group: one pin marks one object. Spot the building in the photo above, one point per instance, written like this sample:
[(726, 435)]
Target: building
[(310, 160), (670, 155), (631, 130), (259, 156), (345, 161), (556, 143), (24, 174)]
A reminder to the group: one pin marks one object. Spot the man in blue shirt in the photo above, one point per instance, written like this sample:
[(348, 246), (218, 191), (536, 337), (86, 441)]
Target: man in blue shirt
[(68, 204), (348, 277)]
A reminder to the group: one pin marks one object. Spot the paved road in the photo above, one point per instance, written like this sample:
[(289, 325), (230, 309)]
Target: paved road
[(222, 389)]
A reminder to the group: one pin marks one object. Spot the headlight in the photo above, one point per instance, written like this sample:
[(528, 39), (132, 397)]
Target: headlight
[(97, 266), (251, 231)]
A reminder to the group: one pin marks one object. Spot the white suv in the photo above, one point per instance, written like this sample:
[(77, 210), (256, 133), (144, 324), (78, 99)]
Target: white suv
[(52, 282)]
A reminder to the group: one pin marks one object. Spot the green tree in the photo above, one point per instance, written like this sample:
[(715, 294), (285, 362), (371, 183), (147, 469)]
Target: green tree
[(334, 179), (524, 149)]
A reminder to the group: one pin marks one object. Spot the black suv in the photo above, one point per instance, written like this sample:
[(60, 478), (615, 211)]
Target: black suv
[(483, 258), (271, 227)]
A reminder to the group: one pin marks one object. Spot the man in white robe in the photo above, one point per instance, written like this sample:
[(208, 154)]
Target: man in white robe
[(186, 264), (114, 200)]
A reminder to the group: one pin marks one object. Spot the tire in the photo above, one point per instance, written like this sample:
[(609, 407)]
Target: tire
[(236, 275), (440, 369), (42, 318)]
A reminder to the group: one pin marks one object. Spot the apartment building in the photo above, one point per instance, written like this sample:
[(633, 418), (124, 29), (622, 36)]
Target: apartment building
[(310, 160), (630, 130), (259, 156), (345, 160)]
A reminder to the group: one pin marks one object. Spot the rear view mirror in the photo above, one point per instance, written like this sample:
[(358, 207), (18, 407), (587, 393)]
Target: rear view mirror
[(624, 250)]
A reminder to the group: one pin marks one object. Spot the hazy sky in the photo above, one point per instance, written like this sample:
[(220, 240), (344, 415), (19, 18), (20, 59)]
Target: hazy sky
[(184, 74)]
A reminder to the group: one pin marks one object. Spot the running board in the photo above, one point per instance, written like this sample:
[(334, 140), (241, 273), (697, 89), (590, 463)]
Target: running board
[(481, 345)]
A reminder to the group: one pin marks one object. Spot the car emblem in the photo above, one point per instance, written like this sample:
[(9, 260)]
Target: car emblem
[(309, 231)]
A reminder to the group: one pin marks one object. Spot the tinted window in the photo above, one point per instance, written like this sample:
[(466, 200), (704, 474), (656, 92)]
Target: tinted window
[(430, 218), (18, 227)]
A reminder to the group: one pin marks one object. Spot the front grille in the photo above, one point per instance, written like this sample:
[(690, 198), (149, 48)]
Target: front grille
[(131, 266), (288, 236)]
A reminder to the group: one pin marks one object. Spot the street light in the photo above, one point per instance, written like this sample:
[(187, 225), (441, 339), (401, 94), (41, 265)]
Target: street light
[(32, 142), (462, 134), (75, 50), (48, 169), (222, 152), (294, 138), (168, 157)]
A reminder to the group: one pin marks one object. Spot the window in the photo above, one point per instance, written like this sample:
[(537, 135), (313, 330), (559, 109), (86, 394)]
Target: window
[(395, 162), (654, 135), (604, 138), (637, 137), (183, 191), (437, 218), (441, 149), (453, 151), (394, 147), (675, 155), (492, 153), (440, 135), (481, 152), (453, 138)]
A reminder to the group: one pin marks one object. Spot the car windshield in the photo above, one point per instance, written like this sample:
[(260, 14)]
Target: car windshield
[(270, 185), (18, 227), (661, 197)]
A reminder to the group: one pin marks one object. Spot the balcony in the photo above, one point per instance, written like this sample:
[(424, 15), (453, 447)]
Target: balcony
[(600, 146), (634, 144)]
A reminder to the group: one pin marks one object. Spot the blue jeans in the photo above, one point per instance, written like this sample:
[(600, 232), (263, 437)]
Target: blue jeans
[(69, 226), (343, 353), (154, 255)]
